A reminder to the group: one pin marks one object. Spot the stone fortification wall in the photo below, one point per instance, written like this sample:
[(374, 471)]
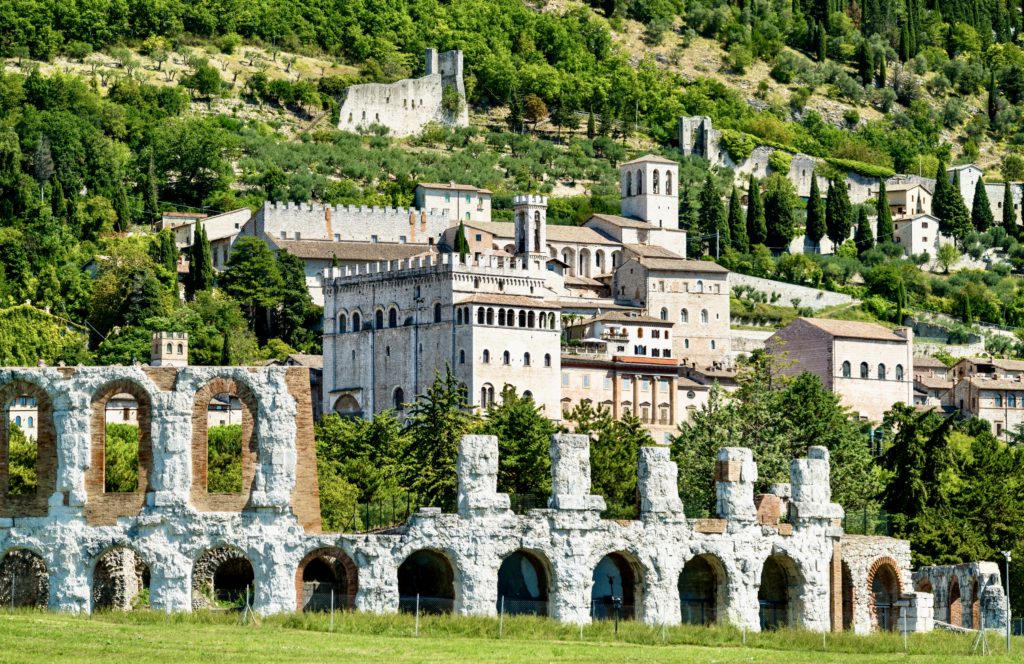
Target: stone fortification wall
[(815, 298), (966, 595), (180, 549), (406, 106), (347, 223)]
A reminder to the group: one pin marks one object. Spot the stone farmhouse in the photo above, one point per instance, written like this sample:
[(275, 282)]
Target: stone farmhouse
[(870, 367), (73, 546), (407, 106), (992, 389)]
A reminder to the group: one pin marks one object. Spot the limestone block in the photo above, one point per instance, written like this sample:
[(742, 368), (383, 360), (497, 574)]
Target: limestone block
[(477, 468), (812, 493), (570, 474), (735, 474), (658, 483)]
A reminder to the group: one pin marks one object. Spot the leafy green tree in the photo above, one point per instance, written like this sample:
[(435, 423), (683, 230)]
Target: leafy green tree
[(779, 201), (757, 226), (297, 317), (884, 226), (461, 243), (737, 224), (711, 215), (200, 267), (253, 279), (437, 421), (815, 214), (524, 437), (1009, 212), (947, 256), (194, 155), (366, 454), (164, 251), (958, 218), (22, 469), (864, 238), (224, 459), (121, 458), (838, 213), (981, 213)]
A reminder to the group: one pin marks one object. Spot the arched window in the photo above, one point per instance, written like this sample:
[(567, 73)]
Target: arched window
[(863, 369), (379, 316), (999, 400), (704, 316), (490, 316), (170, 349), (668, 183), (684, 316), (462, 357), (437, 312), (700, 286), (639, 183), (526, 359), (522, 318), (899, 372), (686, 343), (399, 399), (712, 344), (481, 316), (342, 323), (629, 184), (181, 349), (846, 370), (506, 358), (664, 313), (487, 357), (357, 322), (501, 317), (656, 185), (17, 420), (531, 319), (392, 317), (881, 371), (1011, 400), (547, 359), (458, 316), (486, 395), (31, 422)]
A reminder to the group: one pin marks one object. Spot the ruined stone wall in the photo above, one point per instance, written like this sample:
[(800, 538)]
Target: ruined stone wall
[(965, 595), (179, 540)]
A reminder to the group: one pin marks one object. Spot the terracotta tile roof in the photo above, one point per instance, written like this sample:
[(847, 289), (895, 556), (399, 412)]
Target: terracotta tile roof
[(452, 186), (927, 362), (999, 363), (368, 252), (623, 317), (651, 251), (580, 234), (305, 360), (509, 301), (624, 222), (580, 281), (850, 329), (933, 382), (504, 229), (633, 359), (649, 158), (983, 383), (682, 265)]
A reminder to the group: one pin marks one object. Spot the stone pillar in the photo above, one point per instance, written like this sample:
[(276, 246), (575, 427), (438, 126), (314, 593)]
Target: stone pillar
[(658, 484), (378, 580), (170, 584), (477, 470), (812, 493), (570, 474), (735, 474), (275, 581), (916, 612)]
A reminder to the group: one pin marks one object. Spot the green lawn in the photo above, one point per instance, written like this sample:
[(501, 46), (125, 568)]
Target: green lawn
[(217, 638)]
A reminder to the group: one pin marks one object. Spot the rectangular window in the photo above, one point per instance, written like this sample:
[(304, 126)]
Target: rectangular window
[(607, 382), (337, 237), (401, 239), (447, 198), (468, 198), (479, 237), (645, 385), (284, 235), (298, 235), (586, 381), (565, 380), (373, 238)]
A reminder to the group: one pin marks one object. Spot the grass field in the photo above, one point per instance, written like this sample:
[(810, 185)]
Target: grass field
[(215, 638)]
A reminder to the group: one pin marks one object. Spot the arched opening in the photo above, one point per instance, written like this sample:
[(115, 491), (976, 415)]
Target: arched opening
[(668, 183), (121, 443), (342, 323), (617, 587), (120, 581), (357, 322), (501, 317), (522, 318), (523, 585), (481, 316), (347, 406), (975, 605), (326, 578), (437, 312), (28, 443), (398, 399), (848, 599), (584, 270), (392, 317), (24, 581), (639, 183), (655, 183), (956, 604), (701, 590), (426, 579), (221, 577), (379, 319), (885, 591), (224, 446), (775, 596)]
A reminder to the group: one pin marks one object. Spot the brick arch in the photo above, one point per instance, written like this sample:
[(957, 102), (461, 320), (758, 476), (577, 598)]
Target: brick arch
[(46, 452), (102, 508), (879, 564), (975, 604), (201, 498), (24, 578), (204, 572), (340, 563), (955, 603)]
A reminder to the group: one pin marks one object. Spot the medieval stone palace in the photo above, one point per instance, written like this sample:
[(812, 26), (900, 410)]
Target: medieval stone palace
[(765, 561)]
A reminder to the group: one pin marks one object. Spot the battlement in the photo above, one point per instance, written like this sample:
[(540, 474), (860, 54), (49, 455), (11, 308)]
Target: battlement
[(352, 211), (529, 199), (169, 336), (488, 265)]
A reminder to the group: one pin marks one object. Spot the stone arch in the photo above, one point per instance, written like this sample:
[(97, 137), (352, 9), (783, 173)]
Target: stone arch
[(849, 597), (617, 575), (955, 603), (569, 258), (120, 579), (24, 579), (778, 593), (347, 406), (222, 575), (975, 604), (584, 263), (322, 572), (103, 507), (201, 498), (885, 586), (33, 504), (524, 583), (429, 575), (703, 590)]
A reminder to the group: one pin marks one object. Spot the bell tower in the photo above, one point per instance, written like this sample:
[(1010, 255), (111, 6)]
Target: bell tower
[(650, 190), (531, 217)]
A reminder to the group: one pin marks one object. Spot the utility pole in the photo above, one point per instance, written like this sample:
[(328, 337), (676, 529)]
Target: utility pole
[(1007, 557)]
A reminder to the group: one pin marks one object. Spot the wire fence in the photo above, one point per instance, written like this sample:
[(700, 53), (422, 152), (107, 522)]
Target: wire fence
[(387, 512), (867, 521)]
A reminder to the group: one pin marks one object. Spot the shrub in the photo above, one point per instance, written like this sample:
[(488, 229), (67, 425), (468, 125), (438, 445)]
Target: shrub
[(780, 162), (739, 145)]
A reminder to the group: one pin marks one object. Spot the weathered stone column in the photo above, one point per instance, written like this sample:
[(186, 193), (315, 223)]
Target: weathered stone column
[(661, 509), (735, 474), (658, 484), (275, 580), (170, 582), (477, 470), (378, 579)]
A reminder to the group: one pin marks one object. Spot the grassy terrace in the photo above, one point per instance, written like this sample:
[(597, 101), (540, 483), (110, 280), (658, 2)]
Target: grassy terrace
[(207, 637)]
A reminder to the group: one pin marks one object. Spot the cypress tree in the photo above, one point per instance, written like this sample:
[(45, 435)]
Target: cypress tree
[(955, 219), (1009, 214), (225, 350), (838, 213), (816, 227), (883, 75), (981, 213), (168, 251), (778, 210), (737, 224), (712, 219), (122, 207), (757, 228), (904, 43), (901, 302), (461, 243), (993, 97), (58, 204), (865, 63), (883, 227), (200, 267), (864, 238), (591, 126), (150, 202), (822, 43), (940, 197)]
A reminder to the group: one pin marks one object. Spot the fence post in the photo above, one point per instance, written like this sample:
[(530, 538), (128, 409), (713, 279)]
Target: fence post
[(332, 608), (417, 614), (501, 618)]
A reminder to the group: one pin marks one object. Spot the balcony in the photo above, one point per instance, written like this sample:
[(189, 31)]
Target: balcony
[(615, 335)]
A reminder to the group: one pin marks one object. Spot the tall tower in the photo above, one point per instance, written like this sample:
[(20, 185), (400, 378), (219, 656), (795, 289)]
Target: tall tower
[(650, 190), (531, 218), (170, 349)]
